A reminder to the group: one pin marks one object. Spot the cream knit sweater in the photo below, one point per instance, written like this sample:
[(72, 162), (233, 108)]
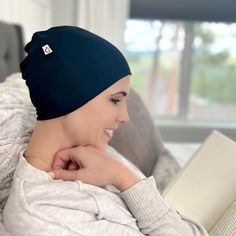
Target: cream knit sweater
[(39, 205)]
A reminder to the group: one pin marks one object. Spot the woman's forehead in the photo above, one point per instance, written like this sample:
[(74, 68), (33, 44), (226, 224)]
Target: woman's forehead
[(121, 86)]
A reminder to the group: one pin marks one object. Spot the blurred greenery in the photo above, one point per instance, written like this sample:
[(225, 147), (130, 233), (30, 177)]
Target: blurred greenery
[(213, 74), (140, 69)]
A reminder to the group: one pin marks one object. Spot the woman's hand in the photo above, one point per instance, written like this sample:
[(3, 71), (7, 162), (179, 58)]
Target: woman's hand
[(92, 166)]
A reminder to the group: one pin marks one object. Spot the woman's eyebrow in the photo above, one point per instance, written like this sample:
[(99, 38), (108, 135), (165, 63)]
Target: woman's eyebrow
[(118, 93)]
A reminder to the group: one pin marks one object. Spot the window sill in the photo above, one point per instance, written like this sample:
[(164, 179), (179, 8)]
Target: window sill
[(190, 131)]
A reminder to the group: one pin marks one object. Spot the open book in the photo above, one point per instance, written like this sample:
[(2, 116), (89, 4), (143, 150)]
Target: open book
[(205, 189)]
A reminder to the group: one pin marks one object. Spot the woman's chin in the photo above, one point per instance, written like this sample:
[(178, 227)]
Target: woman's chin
[(99, 145)]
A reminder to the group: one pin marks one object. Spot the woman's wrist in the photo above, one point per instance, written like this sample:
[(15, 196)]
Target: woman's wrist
[(126, 178)]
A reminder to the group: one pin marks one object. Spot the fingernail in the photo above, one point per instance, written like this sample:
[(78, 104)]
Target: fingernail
[(51, 174)]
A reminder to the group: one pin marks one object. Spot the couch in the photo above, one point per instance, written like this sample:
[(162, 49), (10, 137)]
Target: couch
[(11, 48)]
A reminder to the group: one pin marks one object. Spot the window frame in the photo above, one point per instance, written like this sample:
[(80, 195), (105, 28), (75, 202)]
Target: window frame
[(179, 128)]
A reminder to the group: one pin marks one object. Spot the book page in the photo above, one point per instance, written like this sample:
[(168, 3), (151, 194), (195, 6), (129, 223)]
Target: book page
[(206, 186)]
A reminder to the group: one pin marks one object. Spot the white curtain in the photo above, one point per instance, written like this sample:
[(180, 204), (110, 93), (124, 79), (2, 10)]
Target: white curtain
[(104, 17)]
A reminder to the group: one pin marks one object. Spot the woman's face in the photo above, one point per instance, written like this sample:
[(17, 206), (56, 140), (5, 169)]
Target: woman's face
[(95, 122)]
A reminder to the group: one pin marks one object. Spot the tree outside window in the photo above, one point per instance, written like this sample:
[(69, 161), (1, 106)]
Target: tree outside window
[(156, 51)]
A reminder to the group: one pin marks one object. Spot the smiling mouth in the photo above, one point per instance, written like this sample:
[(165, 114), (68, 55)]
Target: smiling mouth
[(109, 132)]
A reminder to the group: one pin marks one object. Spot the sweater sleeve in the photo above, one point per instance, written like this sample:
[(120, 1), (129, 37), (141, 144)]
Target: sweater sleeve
[(154, 216)]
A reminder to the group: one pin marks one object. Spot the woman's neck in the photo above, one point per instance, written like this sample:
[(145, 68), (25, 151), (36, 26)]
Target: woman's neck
[(47, 139)]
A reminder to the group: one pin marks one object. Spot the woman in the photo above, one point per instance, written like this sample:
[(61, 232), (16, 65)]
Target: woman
[(68, 181)]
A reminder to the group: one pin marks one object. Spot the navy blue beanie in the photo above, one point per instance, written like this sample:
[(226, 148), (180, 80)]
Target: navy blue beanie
[(66, 67)]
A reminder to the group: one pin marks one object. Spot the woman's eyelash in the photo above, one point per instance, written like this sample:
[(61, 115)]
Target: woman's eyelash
[(115, 101)]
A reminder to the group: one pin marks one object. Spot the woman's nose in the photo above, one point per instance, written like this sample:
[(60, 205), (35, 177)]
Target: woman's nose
[(123, 115)]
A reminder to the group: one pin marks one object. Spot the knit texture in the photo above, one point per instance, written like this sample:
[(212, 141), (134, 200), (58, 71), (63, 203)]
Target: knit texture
[(39, 205), (86, 209), (15, 109)]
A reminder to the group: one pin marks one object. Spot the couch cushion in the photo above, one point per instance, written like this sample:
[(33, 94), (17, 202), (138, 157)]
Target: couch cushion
[(9, 50), (165, 170)]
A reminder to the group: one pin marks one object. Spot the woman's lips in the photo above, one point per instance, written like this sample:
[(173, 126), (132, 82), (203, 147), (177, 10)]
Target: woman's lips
[(109, 132)]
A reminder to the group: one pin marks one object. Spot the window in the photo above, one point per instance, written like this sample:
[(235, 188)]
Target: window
[(184, 70)]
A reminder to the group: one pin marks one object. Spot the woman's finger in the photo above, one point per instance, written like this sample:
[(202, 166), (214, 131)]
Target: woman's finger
[(73, 166), (70, 175), (64, 175), (62, 158)]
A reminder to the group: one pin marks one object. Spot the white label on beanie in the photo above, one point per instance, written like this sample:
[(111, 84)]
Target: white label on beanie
[(46, 49)]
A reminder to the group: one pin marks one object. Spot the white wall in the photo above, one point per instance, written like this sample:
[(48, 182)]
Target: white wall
[(5, 10), (33, 15), (64, 12), (105, 18)]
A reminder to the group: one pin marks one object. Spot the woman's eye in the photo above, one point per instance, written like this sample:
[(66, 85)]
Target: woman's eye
[(115, 101)]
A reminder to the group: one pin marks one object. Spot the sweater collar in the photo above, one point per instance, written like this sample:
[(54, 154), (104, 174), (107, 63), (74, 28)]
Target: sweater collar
[(26, 171)]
